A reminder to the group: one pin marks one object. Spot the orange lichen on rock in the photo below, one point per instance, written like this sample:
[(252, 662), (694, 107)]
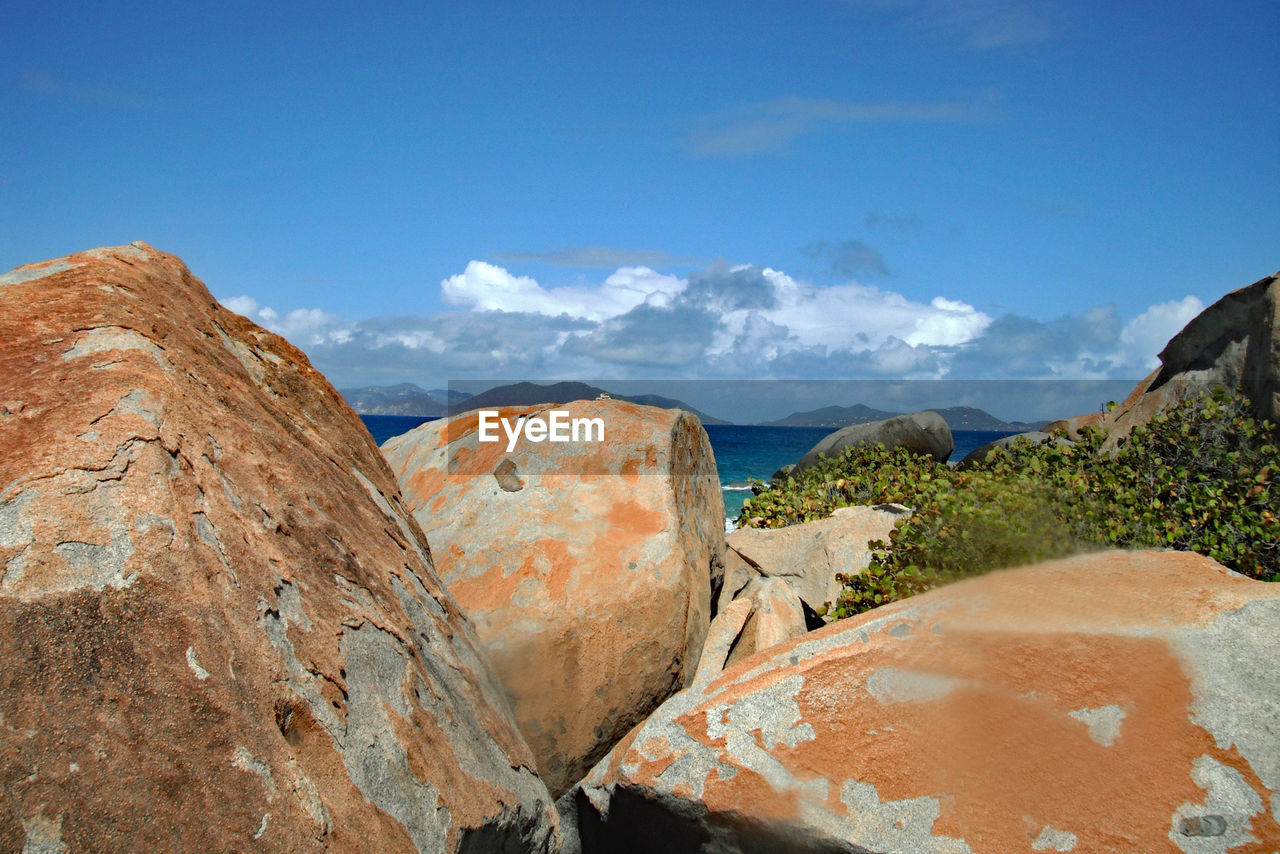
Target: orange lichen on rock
[(219, 630), (584, 566), (1105, 703)]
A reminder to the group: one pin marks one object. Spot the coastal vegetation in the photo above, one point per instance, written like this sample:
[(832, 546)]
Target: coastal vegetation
[(1202, 476)]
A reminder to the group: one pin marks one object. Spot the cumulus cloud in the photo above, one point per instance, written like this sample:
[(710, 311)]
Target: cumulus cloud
[(722, 322), (305, 327), (1096, 344), (1146, 335), (488, 287)]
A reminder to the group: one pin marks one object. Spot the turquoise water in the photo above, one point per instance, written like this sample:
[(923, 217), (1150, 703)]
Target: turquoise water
[(742, 451)]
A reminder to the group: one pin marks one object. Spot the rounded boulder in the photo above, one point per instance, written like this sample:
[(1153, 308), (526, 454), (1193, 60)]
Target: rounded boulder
[(585, 566)]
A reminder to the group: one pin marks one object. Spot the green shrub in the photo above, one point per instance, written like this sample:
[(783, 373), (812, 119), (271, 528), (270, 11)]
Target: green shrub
[(1201, 477)]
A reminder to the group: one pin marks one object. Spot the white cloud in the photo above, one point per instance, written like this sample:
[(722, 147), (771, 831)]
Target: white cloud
[(951, 322), (720, 322), (248, 306), (839, 317), (488, 287), (724, 318), (1146, 335), (305, 327)]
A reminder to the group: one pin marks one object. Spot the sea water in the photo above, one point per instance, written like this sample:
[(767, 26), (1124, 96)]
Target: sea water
[(743, 451)]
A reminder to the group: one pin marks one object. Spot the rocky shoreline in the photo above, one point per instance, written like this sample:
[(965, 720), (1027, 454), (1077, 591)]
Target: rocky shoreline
[(229, 621)]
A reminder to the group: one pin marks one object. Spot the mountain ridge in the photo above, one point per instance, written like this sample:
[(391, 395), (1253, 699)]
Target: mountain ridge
[(957, 418), (402, 399)]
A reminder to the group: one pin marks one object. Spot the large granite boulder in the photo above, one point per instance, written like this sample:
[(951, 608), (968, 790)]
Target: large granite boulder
[(1113, 702), (1234, 343), (808, 555), (586, 567), (922, 432), (219, 629)]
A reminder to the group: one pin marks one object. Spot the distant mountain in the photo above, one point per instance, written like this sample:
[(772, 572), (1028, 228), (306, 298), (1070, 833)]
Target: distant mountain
[(833, 417), (402, 399), (971, 418), (527, 394), (957, 418)]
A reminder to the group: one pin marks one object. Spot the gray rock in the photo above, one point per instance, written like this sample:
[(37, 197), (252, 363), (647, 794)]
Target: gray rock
[(776, 616), (808, 556), (721, 637), (783, 473), (923, 432), (1234, 343), (737, 574)]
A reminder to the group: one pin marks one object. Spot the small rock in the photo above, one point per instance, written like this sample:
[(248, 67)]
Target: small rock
[(507, 476)]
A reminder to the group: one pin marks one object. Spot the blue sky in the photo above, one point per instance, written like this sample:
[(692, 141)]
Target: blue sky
[(862, 188)]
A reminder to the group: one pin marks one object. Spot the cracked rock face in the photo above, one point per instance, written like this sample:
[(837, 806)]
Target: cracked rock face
[(587, 575), (219, 629), (1114, 702)]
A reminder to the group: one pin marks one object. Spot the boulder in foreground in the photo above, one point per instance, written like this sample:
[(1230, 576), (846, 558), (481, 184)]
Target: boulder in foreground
[(1113, 702), (585, 566), (219, 630)]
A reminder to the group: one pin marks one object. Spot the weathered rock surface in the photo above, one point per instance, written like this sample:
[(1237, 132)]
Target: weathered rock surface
[(776, 616), (219, 630), (721, 636), (590, 586), (808, 555), (737, 574), (753, 611), (1035, 437), (922, 432), (1114, 702), (1235, 343)]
